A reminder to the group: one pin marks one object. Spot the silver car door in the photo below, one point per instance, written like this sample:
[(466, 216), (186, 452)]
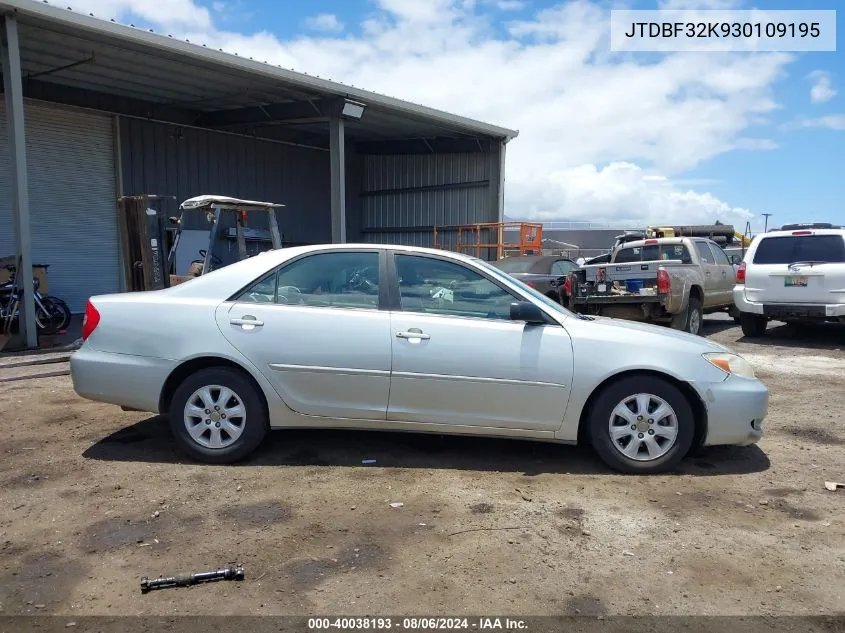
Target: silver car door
[(315, 330), (459, 360)]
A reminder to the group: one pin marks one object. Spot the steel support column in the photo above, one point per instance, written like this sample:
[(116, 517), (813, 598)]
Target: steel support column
[(337, 160), (500, 193), (13, 90)]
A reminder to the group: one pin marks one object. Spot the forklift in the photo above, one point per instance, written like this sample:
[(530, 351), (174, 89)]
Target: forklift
[(214, 207), (151, 239)]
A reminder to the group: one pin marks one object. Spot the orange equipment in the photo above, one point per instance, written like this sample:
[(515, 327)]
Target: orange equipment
[(469, 238)]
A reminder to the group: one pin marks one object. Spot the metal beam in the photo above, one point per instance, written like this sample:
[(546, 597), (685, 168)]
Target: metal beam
[(13, 90), (472, 184), (114, 104), (294, 112), (337, 169), (438, 145)]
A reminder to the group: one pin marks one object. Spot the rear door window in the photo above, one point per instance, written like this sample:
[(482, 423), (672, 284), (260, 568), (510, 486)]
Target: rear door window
[(720, 255), (787, 249), (705, 253)]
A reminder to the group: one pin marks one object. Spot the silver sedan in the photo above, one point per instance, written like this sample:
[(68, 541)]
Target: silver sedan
[(406, 339)]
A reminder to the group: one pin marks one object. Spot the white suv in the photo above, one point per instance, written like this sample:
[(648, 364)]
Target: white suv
[(793, 274)]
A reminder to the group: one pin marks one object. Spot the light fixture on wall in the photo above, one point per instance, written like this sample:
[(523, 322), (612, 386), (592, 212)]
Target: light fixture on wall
[(352, 109)]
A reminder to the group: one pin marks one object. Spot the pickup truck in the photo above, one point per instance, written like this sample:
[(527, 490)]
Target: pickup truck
[(673, 280)]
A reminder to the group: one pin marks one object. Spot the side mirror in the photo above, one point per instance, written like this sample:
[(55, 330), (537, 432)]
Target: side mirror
[(736, 259), (526, 311)]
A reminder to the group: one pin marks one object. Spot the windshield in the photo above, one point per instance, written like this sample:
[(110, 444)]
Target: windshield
[(554, 305), (514, 264), (788, 249)]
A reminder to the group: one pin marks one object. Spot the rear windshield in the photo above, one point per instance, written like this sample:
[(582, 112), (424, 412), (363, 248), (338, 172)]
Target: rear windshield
[(652, 252), (786, 249), (514, 265)]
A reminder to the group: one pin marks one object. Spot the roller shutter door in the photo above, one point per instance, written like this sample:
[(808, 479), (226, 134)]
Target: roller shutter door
[(72, 193)]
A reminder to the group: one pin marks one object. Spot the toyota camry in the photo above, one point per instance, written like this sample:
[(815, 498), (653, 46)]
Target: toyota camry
[(398, 338)]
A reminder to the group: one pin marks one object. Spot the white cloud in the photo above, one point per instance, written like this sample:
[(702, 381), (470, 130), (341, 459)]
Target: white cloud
[(822, 89), (832, 122), (510, 5), (327, 22), (588, 119), (622, 194), (170, 14)]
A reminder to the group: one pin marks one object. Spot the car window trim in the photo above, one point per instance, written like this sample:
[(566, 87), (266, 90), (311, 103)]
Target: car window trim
[(395, 299), (383, 290)]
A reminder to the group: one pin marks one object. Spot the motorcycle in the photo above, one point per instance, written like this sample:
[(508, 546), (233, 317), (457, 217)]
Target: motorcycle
[(51, 313)]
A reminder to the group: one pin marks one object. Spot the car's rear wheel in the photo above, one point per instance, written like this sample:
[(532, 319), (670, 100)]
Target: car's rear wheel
[(753, 325), (641, 424), (218, 416)]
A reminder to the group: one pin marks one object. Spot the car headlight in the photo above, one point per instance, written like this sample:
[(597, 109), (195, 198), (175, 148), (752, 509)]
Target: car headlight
[(731, 364)]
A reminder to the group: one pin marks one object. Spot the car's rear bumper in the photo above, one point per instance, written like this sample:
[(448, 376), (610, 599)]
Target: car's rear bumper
[(736, 408), (788, 310), (122, 379)]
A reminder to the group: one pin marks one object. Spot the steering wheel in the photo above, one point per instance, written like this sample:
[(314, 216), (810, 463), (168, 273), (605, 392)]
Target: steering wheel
[(216, 261), (290, 295), (257, 297), (358, 281)]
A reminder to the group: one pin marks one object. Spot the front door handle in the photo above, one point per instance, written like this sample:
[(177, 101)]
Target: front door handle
[(413, 333)]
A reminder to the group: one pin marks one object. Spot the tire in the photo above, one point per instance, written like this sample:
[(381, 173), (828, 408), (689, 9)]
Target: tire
[(58, 318), (691, 319), (753, 325), (669, 451), (733, 312), (253, 426)]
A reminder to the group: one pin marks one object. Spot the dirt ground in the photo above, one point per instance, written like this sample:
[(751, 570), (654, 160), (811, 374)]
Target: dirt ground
[(93, 498)]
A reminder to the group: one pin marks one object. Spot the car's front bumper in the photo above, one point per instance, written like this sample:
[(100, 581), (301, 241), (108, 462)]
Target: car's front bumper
[(736, 408), (122, 379), (787, 310)]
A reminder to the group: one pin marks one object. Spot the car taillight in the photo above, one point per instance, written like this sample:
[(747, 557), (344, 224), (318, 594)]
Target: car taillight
[(740, 274), (664, 285), (567, 286), (90, 321), (530, 284)]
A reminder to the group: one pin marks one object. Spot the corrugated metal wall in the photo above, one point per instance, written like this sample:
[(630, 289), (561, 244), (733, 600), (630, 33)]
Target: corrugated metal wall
[(73, 220), (185, 162), (404, 196)]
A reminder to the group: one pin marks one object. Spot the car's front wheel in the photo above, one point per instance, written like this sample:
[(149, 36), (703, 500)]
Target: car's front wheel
[(641, 424), (217, 416)]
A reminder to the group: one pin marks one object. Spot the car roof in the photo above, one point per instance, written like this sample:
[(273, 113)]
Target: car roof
[(802, 232)]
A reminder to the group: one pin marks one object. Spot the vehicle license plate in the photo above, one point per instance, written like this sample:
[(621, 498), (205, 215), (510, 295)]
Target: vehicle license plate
[(795, 281)]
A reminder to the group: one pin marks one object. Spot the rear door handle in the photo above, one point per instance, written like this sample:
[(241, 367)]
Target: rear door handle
[(412, 334), (247, 321), (707, 274)]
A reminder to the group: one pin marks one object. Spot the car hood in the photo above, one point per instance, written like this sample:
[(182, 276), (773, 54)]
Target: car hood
[(657, 335)]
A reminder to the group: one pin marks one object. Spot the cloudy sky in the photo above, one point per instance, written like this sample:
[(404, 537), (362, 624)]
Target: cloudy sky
[(604, 137)]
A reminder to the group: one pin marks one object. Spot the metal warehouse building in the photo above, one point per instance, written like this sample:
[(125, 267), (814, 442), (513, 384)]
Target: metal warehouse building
[(95, 110)]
